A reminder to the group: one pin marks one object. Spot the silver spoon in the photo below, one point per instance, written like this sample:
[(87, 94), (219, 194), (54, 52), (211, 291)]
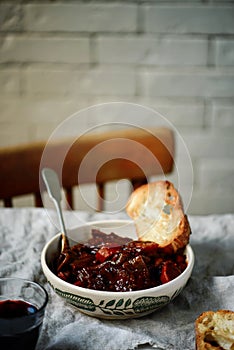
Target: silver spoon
[(51, 181)]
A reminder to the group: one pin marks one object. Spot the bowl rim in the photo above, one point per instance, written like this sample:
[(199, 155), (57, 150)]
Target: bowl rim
[(75, 289)]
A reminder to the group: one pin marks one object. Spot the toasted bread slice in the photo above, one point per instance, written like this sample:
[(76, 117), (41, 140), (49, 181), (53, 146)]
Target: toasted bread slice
[(157, 211), (215, 330)]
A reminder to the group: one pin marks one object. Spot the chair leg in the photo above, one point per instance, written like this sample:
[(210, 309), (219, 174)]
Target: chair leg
[(101, 196), (69, 197), (8, 203), (38, 200), (138, 182)]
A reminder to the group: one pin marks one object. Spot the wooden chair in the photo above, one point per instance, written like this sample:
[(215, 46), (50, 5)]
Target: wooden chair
[(134, 154)]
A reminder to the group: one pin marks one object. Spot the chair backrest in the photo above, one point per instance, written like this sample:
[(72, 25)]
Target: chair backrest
[(133, 154)]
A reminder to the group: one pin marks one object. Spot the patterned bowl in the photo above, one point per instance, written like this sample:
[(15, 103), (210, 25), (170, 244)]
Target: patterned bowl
[(105, 304)]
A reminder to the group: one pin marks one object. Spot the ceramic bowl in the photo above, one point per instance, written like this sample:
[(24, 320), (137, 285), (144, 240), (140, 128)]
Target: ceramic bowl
[(105, 304)]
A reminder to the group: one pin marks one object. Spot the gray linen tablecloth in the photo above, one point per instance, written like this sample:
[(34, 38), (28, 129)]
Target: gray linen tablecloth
[(24, 232)]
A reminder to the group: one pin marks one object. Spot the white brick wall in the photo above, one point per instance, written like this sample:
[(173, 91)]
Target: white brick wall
[(146, 50), (44, 49), (90, 17), (57, 57), (223, 52), (10, 81), (181, 83), (93, 81), (223, 116), (189, 18)]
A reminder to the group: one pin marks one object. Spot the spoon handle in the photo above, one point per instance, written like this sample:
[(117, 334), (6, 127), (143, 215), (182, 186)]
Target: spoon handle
[(53, 188)]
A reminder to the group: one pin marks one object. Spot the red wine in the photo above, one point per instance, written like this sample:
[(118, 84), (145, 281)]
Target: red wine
[(16, 308), (22, 318)]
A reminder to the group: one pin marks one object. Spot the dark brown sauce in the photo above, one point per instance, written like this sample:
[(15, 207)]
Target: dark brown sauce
[(112, 263)]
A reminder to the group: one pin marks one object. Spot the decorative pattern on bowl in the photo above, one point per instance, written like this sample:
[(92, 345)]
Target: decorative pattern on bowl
[(116, 307)]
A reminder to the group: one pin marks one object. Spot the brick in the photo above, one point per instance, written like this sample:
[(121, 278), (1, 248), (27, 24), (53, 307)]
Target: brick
[(63, 118), (205, 203), (59, 109), (186, 115), (45, 82), (11, 18), (183, 179), (189, 19), (223, 116), (75, 82), (27, 119), (40, 110), (217, 174), (10, 82), (179, 113), (13, 133), (49, 49), (81, 17), (152, 51), (42, 131), (11, 110), (204, 83), (104, 81), (203, 144), (223, 52), (17, 109)]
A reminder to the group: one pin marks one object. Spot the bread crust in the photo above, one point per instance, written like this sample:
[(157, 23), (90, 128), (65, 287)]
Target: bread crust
[(209, 322), (157, 211)]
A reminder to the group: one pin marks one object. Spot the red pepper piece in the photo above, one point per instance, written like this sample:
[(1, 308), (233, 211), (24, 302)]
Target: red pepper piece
[(181, 262), (144, 247), (105, 252), (169, 271)]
